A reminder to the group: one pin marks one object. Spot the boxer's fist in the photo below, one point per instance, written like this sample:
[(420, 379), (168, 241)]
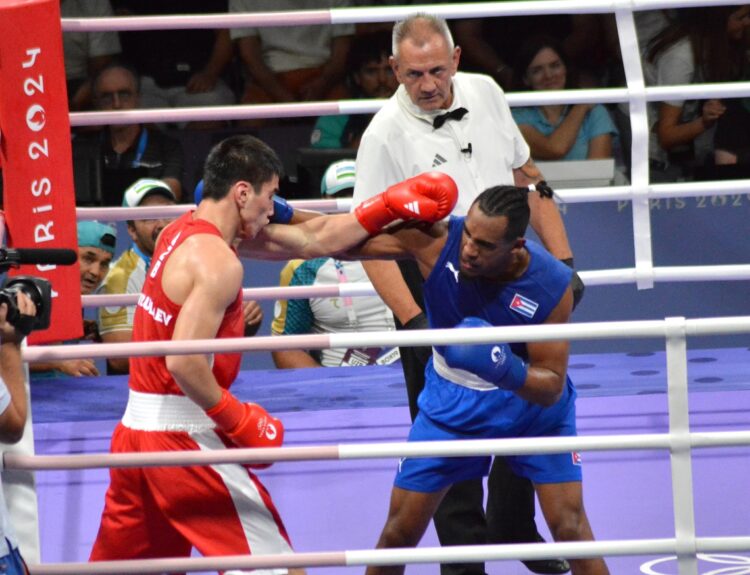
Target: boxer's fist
[(493, 362), (283, 212), (428, 197), (246, 424)]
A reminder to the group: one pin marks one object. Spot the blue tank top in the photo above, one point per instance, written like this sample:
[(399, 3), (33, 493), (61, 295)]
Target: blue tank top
[(527, 300)]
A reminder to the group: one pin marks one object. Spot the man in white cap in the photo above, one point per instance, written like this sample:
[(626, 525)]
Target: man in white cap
[(128, 273), (325, 314)]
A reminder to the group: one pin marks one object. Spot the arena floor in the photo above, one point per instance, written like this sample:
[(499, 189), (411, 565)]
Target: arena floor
[(341, 505)]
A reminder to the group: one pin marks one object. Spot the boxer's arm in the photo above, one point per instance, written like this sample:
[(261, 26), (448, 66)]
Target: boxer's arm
[(214, 283), (316, 237), (427, 197), (548, 360)]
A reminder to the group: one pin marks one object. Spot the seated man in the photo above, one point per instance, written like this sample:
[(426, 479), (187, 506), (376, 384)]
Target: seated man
[(325, 314), (96, 248), (130, 151), (481, 271), (299, 63), (369, 76)]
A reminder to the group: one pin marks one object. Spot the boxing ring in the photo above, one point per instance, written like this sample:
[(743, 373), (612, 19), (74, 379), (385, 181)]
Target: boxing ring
[(664, 471)]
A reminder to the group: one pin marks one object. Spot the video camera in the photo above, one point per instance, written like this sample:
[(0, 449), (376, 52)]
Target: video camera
[(37, 289)]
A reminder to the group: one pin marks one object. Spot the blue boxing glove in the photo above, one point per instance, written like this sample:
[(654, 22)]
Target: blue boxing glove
[(282, 211), (198, 193), (493, 362)]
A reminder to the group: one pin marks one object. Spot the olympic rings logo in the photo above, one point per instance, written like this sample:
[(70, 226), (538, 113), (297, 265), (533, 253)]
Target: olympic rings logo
[(739, 565)]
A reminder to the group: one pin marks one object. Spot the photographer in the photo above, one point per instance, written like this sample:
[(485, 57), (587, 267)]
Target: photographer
[(13, 410)]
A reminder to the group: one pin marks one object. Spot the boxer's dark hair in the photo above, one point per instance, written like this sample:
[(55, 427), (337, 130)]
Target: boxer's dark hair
[(235, 159), (508, 201)]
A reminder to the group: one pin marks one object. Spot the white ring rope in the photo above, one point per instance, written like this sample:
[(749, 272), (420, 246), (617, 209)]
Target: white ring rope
[(462, 448), (452, 554), (529, 333)]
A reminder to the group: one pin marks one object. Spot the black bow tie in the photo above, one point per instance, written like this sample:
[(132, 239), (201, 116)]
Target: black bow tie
[(456, 114)]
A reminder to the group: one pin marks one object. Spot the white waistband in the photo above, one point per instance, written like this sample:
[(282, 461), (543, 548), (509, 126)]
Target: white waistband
[(459, 376), (154, 412)]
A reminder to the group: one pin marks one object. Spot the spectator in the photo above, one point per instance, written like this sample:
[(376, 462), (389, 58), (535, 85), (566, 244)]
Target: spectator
[(369, 76), (179, 68), (703, 45), (732, 145), (131, 151), (489, 45), (86, 52), (96, 248), (325, 314), (298, 63), (13, 414), (558, 131)]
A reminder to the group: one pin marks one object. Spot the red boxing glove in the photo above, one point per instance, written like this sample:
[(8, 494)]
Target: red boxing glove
[(428, 197), (247, 424)]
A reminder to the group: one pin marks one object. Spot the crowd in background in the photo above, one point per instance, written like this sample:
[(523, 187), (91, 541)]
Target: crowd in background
[(175, 68)]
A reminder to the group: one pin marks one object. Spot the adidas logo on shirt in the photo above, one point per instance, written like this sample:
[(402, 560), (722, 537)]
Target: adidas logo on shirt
[(412, 207), (438, 160)]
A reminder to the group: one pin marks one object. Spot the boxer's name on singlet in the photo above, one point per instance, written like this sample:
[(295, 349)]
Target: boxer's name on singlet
[(164, 254), (159, 315)]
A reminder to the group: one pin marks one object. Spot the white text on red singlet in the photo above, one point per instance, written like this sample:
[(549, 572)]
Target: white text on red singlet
[(159, 315)]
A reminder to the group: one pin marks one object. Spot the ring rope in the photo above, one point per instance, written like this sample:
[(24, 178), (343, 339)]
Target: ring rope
[(296, 110), (528, 333), (451, 554), (393, 450)]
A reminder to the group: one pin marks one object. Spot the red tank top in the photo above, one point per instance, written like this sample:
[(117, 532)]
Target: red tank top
[(155, 316)]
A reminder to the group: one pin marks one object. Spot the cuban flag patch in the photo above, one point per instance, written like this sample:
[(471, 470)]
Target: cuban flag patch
[(523, 305), (576, 457)]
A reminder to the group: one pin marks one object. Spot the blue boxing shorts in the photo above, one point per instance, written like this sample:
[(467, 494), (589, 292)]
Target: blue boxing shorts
[(486, 415)]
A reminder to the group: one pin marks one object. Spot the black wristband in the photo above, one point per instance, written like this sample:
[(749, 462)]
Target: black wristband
[(544, 189), (576, 283), (569, 262), (419, 321), (422, 353)]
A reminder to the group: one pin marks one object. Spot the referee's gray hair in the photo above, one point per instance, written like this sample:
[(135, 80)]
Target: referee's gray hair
[(407, 29)]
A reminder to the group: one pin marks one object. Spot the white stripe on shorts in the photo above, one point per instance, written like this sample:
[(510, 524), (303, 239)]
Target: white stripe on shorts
[(261, 531)]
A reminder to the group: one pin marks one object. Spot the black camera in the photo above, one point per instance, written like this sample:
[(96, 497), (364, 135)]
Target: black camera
[(39, 291)]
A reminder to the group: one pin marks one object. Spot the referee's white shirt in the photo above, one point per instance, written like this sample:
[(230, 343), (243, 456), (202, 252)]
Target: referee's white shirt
[(401, 142)]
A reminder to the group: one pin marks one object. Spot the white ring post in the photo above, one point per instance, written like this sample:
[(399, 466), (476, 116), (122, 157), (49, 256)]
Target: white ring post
[(631, 61), (680, 450)]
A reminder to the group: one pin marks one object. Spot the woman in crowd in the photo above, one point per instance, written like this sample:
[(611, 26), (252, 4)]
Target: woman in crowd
[(558, 131), (701, 45)]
